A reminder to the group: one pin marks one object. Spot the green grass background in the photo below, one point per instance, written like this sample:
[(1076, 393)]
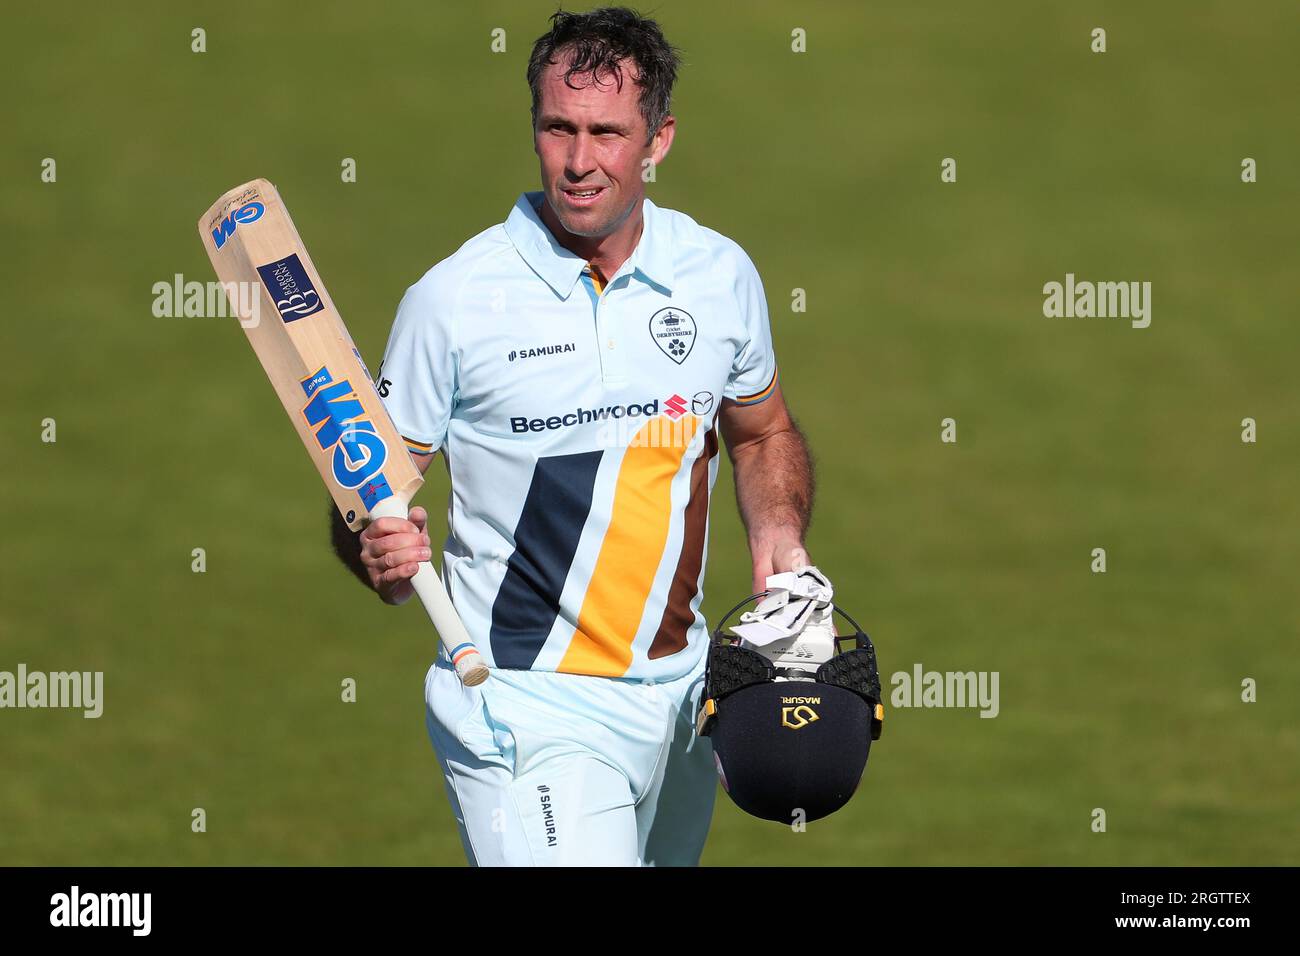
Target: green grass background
[(1119, 691)]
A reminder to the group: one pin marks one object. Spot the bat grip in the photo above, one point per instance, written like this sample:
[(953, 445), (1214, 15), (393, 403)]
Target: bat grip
[(465, 657)]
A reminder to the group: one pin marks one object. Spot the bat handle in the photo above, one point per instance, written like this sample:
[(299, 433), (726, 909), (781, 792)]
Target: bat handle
[(465, 657)]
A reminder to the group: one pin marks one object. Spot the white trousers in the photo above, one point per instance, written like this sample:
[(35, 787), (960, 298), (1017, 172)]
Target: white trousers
[(547, 769)]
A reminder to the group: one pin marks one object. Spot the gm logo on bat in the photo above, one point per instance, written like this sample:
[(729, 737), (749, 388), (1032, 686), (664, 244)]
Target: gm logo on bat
[(248, 212), (338, 421)]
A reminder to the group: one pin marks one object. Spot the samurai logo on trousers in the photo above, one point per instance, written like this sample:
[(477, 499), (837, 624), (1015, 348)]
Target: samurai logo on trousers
[(674, 332)]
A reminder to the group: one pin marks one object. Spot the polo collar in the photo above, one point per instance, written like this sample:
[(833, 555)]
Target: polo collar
[(651, 260)]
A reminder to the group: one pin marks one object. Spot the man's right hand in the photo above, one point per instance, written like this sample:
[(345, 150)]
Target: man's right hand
[(391, 550)]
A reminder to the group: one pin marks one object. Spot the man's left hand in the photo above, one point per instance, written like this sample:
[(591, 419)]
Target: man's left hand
[(784, 554)]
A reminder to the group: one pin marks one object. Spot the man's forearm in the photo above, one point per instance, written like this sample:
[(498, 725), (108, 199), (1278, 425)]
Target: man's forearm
[(774, 488)]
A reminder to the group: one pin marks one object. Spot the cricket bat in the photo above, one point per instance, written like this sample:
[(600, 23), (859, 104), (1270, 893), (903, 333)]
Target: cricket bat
[(322, 380)]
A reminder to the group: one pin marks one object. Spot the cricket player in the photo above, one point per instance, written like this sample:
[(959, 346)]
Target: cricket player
[(575, 367)]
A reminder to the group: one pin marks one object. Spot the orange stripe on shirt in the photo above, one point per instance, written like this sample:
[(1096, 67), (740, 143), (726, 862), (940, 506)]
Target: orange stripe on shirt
[(758, 396), (631, 551)]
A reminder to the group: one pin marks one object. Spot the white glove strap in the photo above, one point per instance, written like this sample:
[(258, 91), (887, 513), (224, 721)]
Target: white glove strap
[(792, 599)]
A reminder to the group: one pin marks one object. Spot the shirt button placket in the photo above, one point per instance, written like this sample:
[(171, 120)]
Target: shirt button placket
[(612, 353)]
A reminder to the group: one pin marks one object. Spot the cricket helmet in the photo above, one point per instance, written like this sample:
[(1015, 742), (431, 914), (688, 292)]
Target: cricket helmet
[(790, 748)]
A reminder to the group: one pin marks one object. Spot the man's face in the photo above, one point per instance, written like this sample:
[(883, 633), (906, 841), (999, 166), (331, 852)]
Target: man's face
[(592, 145)]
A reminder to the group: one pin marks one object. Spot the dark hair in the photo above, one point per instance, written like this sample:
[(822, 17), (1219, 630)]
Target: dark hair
[(595, 42)]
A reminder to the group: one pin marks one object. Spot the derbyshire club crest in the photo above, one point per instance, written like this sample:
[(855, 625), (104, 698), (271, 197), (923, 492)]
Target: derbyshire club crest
[(674, 332)]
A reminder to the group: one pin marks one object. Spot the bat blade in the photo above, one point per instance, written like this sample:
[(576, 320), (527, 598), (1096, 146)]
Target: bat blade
[(321, 380), (306, 350)]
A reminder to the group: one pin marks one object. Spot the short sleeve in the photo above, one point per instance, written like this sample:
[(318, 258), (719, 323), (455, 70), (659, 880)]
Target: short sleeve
[(753, 370), (418, 377)]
